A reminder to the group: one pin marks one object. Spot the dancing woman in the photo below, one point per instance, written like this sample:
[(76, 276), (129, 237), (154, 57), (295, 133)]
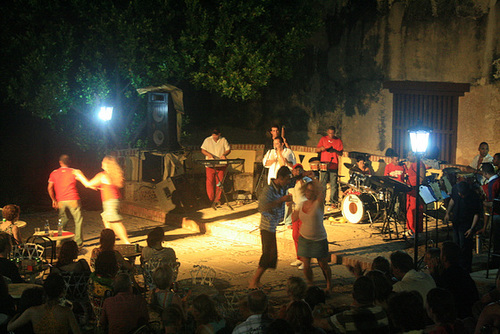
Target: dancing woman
[(109, 183)]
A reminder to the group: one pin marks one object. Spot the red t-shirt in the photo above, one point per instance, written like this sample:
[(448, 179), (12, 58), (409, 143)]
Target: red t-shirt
[(64, 184), (412, 173), (331, 157), (395, 171), (492, 191)]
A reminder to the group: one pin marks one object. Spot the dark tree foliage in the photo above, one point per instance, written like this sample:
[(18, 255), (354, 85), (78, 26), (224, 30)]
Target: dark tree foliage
[(61, 60)]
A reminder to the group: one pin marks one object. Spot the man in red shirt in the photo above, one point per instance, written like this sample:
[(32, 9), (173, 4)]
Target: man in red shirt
[(394, 169), (330, 147), (64, 195), (411, 196)]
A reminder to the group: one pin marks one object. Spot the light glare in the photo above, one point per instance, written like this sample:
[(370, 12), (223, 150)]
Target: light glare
[(106, 113)]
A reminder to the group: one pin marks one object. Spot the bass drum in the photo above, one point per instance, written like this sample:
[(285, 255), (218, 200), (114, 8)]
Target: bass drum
[(355, 208)]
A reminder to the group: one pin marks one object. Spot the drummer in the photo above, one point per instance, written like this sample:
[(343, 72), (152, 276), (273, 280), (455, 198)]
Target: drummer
[(363, 166), (330, 147)]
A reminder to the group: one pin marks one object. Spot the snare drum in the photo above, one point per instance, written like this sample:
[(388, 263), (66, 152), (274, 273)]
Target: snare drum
[(358, 208), (323, 166), (314, 166)]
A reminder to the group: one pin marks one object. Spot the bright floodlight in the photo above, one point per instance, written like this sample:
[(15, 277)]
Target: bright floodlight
[(419, 138), (106, 113)]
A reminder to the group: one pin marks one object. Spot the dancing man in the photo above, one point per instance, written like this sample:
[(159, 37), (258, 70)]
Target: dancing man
[(109, 183), (64, 195), (330, 147), (272, 208), (277, 157), (215, 147)]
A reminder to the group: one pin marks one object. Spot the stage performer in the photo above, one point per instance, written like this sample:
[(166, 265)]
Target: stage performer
[(109, 183), (411, 196), (300, 177), (64, 195), (330, 147), (215, 147), (277, 157), (492, 190), (496, 162), (272, 208), (313, 241), (394, 169), (275, 133)]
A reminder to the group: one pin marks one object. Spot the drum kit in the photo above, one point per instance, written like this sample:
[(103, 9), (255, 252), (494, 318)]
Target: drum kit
[(367, 197)]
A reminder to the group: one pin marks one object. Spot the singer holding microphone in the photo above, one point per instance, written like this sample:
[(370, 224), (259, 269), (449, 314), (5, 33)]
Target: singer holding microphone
[(330, 148)]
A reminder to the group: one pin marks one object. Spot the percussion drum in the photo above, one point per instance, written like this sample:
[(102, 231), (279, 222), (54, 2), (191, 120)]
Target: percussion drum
[(323, 166), (361, 182), (314, 166), (355, 208)]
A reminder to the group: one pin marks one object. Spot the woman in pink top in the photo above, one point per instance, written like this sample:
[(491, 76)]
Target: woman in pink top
[(109, 183)]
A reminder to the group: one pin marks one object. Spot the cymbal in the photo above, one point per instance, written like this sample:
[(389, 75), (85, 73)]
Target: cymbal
[(353, 167), (451, 170)]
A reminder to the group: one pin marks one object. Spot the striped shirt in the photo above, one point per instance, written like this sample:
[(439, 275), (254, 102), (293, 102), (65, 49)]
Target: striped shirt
[(364, 319), (271, 218)]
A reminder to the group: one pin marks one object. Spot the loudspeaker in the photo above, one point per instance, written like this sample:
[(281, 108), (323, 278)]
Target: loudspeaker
[(152, 168), (164, 193), (162, 120)]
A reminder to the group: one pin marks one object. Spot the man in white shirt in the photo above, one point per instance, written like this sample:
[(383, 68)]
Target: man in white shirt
[(215, 147), (277, 157)]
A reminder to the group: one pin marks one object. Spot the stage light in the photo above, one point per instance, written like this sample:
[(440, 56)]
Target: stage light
[(106, 113)]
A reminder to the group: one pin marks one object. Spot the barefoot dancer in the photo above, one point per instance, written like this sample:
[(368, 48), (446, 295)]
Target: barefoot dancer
[(109, 182), (313, 240)]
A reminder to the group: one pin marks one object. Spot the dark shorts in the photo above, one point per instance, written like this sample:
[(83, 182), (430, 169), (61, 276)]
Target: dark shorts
[(312, 249), (269, 258)]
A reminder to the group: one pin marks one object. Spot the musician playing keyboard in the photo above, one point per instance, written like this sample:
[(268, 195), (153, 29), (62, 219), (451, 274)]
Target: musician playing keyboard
[(215, 147)]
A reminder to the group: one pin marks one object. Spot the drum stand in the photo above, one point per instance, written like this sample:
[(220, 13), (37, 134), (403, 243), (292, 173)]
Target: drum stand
[(390, 215)]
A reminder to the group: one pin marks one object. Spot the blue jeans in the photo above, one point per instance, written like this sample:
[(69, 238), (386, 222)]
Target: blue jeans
[(331, 175), (75, 210)]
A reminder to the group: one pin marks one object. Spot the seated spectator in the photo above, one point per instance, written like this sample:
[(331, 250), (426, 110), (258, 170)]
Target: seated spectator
[(66, 259), (316, 299), (29, 298), (296, 290), (383, 288), (50, 317), (101, 280), (7, 267), (406, 311), (162, 296), (10, 215), (432, 260), (173, 320), (489, 297), (125, 311), (107, 243), (441, 310), (279, 326), (457, 280), (299, 315), (7, 305), (258, 321), (155, 249), (489, 319), (382, 264), (208, 320), (364, 316), (409, 278)]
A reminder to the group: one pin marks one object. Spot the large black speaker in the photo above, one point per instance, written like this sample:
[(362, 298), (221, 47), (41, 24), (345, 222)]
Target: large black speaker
[(162, 119), (152, 168)]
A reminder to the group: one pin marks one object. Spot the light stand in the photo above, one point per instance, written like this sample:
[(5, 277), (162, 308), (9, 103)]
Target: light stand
[(419, 138)]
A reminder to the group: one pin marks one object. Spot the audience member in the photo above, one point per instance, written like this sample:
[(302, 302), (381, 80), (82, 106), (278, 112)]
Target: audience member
[(296, 290), (299, 315), (441, 310), (457, 280), (7, 305), (364, 316), (409, 278), (406, 311), (101, 280), (29, 298), (162, 296), (432, 260), (125, 311), (107, 243), (382, 264), (10, 215), (383, 287), (208, 320), (465, 207), (279, 326), (7, 267), (50, 317), (489, 320), (258, 321), (155, 249), (173, 319), (66, 260)]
